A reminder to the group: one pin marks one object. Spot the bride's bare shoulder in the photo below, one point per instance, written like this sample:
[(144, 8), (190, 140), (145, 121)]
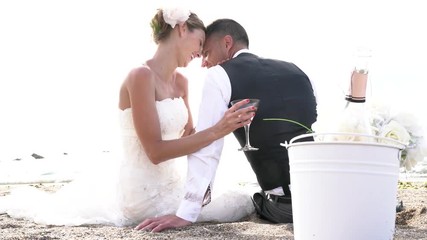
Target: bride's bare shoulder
[(140, 73)]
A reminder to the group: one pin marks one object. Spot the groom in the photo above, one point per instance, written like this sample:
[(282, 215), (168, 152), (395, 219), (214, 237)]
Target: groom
[(285, 92)]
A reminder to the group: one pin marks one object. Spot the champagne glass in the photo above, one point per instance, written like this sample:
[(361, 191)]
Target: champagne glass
[(255, 103)]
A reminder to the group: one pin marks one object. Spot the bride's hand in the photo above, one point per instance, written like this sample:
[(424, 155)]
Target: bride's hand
[(158, 224), (235, 118)]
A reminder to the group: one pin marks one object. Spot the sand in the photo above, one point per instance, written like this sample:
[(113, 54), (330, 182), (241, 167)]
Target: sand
[(411, 224)]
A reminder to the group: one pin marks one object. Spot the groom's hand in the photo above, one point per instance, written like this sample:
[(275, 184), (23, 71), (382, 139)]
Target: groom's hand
[(158, 224)]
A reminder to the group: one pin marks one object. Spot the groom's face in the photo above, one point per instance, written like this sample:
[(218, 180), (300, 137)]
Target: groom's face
[(214, 51)]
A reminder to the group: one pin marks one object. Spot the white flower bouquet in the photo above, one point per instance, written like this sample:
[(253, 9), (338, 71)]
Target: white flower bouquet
[(401, 126)]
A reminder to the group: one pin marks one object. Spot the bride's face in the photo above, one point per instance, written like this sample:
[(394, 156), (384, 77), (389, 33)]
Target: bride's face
[(192, 43)]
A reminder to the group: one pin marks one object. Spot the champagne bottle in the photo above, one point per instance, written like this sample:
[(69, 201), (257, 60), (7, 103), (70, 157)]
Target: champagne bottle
[(356, 117)]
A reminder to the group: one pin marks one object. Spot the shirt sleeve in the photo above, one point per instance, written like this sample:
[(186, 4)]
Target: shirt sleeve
[(202, 165)]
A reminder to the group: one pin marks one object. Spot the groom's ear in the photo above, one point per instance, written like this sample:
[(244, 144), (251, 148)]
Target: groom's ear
[(228, 41)]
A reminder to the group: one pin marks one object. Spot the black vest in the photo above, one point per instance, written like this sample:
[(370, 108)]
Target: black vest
[(285, 92)]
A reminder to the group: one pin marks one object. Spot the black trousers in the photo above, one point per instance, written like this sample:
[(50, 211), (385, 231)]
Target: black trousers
[(276, 209)]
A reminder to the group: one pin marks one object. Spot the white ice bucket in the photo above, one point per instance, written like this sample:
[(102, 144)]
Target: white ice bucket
[(344, 190)]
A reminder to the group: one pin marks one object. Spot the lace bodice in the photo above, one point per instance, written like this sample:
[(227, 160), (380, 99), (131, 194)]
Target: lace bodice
[(173, 116)]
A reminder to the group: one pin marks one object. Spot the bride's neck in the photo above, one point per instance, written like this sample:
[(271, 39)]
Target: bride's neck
[(161, 69), (163, 62)]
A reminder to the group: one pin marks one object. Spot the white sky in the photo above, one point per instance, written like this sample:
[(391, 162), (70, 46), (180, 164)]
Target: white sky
[(62, 62)]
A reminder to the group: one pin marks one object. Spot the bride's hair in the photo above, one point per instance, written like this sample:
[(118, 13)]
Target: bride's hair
[(162, 30)]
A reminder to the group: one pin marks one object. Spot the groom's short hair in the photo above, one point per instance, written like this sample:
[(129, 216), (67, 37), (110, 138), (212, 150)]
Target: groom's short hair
[(226, 26)]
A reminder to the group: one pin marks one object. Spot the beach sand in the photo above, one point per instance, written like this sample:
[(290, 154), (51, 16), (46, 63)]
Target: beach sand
[(411, 224)]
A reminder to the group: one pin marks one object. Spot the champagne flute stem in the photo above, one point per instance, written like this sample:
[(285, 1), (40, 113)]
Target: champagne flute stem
[(247, 135)]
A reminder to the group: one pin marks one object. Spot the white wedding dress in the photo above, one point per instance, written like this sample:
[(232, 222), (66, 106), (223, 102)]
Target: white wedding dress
[(127, 191)]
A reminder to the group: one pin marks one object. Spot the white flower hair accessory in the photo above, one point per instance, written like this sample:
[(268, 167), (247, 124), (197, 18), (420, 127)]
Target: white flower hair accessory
[(175, 15)]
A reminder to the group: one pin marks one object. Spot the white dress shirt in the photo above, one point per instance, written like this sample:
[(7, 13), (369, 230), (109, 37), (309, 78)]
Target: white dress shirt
[(202, 165)]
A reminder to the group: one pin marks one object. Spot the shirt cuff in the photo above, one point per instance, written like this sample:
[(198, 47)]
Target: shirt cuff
[(189, 210)]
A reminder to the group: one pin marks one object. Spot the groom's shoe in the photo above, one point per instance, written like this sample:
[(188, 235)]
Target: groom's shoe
[(279, 199), (276, 209)]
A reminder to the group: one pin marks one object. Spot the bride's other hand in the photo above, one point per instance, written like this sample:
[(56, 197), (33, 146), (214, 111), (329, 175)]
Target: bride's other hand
[(158, 224), (188, 131)]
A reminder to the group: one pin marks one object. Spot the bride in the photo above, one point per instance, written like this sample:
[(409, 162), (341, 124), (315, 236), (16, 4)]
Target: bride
[(157, 128)]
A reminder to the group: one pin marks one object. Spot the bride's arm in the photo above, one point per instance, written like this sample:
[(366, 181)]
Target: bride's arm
[(141, 88)]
